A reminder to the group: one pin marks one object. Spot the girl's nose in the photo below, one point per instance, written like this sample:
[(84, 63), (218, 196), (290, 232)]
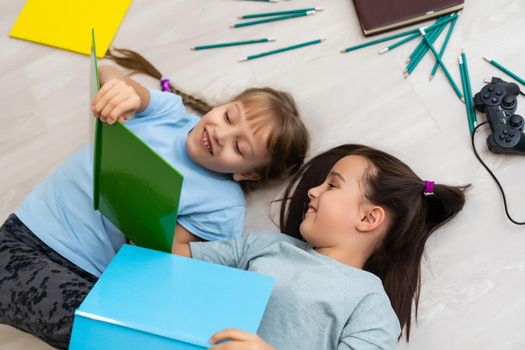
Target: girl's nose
[(314, 192)]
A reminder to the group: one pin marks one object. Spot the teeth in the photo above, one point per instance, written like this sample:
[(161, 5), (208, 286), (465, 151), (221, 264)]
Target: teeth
[(206, 141)]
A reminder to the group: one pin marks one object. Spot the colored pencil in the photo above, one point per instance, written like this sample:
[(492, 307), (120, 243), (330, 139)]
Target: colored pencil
[(469, 89), (449, 77), (465, 92), (272, 19), (504, 70), (279, 13), (399, 43), (267, 53), (233, 43), (444, 46), (438, 24), (391, 37), (421, 51)]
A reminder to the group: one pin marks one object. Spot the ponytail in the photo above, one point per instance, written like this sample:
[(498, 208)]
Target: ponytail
[(138, 64), (413, 215)]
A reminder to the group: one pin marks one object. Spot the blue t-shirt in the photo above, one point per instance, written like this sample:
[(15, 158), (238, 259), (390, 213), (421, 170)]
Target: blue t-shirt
[(60, 209), (317, 302)]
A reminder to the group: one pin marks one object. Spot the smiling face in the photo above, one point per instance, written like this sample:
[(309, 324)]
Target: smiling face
[(226, 140), (336, 206)]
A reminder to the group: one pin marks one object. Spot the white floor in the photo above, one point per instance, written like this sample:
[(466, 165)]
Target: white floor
[(474, 274)]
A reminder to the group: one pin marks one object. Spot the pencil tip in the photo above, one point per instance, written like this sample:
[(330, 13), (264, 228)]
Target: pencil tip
[(319, 8), (192, 49), (430, 77), (343, 51), (383, 50), (486, 59)]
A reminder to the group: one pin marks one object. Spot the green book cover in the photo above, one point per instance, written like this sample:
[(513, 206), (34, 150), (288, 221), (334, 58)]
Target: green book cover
[(134, 187)]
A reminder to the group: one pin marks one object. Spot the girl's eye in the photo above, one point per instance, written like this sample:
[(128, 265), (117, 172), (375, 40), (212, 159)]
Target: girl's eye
[(238, 149), (227, 117), (330, 185)]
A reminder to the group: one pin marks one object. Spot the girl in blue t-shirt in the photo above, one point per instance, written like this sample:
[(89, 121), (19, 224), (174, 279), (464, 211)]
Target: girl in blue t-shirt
[(55, 246), (352, 214)]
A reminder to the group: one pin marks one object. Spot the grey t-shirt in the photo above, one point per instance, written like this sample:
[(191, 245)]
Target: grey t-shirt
[(317, 303)]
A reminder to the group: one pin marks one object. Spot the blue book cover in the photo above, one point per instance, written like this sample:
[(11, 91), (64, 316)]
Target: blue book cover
[(147, 297)]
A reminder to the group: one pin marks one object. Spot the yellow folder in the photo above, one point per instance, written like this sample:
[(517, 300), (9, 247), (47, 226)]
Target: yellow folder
[(67, 24)]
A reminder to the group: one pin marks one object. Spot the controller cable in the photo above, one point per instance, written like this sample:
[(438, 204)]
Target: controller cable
[(493, 176)]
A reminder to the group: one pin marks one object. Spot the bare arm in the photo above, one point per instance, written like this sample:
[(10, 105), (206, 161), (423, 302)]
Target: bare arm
[(181, 241)]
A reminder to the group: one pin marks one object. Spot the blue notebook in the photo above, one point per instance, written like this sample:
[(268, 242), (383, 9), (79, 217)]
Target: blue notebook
[(148, 299)]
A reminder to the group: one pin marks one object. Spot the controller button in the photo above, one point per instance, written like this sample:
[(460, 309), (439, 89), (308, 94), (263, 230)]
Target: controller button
[(505, 131), (502, 121), (499, 92), (502, 137), (494, 100), (516, 121), (490, 88), (486, 95), (512, 133), (508, 139), (508, 101)]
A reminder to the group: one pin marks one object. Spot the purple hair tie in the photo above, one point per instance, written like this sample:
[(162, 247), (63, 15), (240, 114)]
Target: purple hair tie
[(165, 84), (429, 187)]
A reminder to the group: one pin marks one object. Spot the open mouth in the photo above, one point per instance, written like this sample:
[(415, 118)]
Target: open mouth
[(311, 209), (206, 142)]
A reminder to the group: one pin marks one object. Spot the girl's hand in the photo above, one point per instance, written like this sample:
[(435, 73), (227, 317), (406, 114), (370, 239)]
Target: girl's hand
[(116, 100), (240, 340)]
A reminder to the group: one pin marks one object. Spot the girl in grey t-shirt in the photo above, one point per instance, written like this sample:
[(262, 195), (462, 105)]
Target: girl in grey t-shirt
[(361, 219)]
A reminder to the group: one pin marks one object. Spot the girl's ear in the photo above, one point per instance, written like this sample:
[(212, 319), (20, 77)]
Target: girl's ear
[(372, 217), (247, 175)]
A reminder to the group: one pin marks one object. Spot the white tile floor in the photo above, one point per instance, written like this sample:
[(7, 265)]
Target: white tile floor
[(474, 275)]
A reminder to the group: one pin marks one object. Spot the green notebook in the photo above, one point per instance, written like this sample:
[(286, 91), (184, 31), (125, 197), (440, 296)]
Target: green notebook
[(134, 187)]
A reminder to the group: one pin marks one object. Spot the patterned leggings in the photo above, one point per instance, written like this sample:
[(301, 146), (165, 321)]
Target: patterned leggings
[(39, 289)]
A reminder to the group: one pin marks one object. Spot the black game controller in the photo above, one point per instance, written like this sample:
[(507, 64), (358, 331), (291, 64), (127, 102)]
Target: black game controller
[(498, 100)]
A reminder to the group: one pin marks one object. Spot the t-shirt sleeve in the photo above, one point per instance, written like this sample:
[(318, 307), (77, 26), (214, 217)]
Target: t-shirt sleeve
[(225, 223), (373, 325), (162, 103), (236, 252)]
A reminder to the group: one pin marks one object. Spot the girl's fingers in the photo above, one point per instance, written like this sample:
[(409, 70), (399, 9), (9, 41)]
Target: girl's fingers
[(113, 106), (233, 334), (124, 109), (103, 98), (103, 90), (229, 346)]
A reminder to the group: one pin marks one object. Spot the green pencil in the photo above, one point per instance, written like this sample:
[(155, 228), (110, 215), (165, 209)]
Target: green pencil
[(469, 89), (233, 43), (271, 19), (391, 37), (465, 92), (504, 70), (443, 47), (399, 43), (278, 13), (267, 53), (438, 24), (431, 47), (421, 51)]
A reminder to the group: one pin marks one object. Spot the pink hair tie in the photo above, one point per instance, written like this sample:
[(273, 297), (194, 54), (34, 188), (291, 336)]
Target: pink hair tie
[(429, 187), (165, 84)]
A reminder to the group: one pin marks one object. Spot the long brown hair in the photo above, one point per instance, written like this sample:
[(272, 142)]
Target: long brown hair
[(288, 143), (391, 184)]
